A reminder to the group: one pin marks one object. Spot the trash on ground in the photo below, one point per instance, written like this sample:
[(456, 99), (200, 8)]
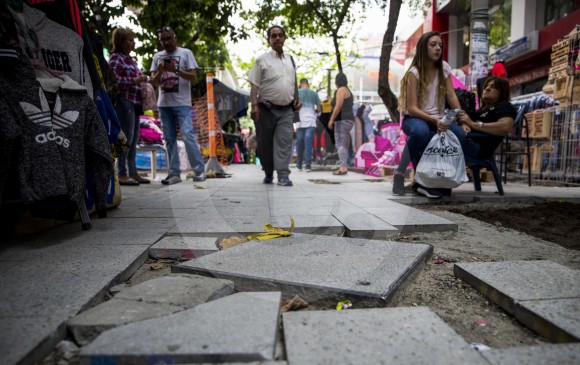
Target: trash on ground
[(481, 323), (272, 232), (231, 242), (157, 266), (439, 261), (345, 304), (294, 304), (199, 187), (66, 350), (479, 346)]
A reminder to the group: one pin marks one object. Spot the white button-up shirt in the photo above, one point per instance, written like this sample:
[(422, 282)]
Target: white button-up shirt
[(275, 78)]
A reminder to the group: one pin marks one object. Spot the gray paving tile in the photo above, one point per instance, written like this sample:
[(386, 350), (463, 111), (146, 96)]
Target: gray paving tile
[(367, 226), (316, 267), (408, 219), (240, 327), (177, 247), (151, 299), (403, 336), (522, 280), (562, 354), (556, 319), (543, 295), (150, 213), (66, 278), (25, 340)]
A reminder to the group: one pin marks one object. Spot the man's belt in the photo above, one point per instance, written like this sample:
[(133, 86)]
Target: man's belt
[(271, 105)]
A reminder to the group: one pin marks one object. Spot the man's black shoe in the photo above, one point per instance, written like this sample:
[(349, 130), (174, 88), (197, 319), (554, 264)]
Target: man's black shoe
[(285, 181), (268, 178)]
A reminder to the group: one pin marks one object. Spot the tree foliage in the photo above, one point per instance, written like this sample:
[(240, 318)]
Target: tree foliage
[(384, 89), (200, 25), (309, 18)]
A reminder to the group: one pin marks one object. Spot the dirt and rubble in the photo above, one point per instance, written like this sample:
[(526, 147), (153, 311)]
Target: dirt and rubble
[(540, 231)]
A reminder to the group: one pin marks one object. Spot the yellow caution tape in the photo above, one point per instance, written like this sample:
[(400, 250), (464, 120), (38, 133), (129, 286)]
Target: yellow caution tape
[(272, 232)]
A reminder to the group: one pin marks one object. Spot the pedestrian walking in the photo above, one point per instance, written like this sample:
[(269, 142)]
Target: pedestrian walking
[(307, 126), (342, 121), (274, 98), (128, 104), (174, 69)]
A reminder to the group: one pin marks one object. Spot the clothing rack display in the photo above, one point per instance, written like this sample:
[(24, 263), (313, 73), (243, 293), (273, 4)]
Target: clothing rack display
[(56, 144)]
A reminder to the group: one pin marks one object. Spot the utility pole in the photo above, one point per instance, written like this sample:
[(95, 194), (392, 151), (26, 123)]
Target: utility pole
[(479, 42)]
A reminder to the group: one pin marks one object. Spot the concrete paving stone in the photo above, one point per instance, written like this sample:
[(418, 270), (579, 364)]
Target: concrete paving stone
[(246, 363), (72, 234), (216, 226), (121, 223), (561, 354), (150, 213), (556, 319), (239, 327), (150, 299), (374, 336), (185, 291), (86, 326), (177, 247), (543, 295), (307, 209), (309, 224), (316, 267), (26, 339), (413, 220), (66, 279), (369, 227), (521, 280)]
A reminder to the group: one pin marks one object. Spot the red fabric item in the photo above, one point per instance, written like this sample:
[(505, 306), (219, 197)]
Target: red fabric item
[(499, 70)]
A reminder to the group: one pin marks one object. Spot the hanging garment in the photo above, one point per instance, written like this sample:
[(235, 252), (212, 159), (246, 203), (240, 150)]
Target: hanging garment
[(62, 134), (61, 49)]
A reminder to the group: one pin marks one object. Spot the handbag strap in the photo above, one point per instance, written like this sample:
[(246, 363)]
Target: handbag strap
[(296, 97)]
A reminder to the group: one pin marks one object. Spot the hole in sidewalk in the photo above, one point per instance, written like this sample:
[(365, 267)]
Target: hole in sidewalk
[(323, 181)]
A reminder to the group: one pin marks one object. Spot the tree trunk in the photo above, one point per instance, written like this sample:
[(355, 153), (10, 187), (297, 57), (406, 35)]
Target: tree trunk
[(337, 51), (388, 97)]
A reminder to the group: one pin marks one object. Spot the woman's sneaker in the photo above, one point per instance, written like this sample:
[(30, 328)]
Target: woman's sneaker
[(398, 184), (170, 180), (429, 193)]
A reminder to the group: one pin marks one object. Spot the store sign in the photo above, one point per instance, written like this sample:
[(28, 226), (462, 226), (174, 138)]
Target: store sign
[(516, 49)]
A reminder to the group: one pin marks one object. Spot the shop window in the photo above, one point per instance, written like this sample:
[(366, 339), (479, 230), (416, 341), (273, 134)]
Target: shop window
[(534, 86), (500, 25), (557, 9)]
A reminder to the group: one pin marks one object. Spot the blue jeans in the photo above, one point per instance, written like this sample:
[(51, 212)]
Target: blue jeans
[(182, 115), (419, 133), (128, 114), (304, 138)]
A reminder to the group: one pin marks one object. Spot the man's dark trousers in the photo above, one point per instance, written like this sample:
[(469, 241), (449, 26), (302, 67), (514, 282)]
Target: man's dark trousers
[(274, 132)]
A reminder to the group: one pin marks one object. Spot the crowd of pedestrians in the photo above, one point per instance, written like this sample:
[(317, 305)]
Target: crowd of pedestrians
[(281, 110)]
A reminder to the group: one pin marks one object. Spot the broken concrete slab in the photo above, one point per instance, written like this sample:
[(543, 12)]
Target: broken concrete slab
[(151, 299), (374, 336), (183, 247), (367, 226), (556, 319), (543, 295), (240, 327), (562, 354), (506, 282), (316, 267), (408, 219)]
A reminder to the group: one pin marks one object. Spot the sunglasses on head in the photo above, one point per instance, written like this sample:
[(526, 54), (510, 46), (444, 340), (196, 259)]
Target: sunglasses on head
[(164, 29)]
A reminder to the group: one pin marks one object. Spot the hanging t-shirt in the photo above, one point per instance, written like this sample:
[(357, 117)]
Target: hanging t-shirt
[(174, 90)]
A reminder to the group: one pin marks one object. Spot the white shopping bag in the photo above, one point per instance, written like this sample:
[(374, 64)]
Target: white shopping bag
[(442, 164)]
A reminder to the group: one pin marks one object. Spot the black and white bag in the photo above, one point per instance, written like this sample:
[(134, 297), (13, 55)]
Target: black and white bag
[(442, 164)]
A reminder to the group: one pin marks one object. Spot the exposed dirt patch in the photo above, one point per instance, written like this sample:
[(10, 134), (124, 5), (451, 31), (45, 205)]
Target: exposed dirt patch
[(461, 306), (557, 222)]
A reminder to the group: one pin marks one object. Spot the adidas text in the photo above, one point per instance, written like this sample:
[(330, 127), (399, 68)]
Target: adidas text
[(52, 136)]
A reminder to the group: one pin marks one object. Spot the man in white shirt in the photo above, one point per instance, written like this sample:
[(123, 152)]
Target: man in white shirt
[(174, 69), (274, 97)]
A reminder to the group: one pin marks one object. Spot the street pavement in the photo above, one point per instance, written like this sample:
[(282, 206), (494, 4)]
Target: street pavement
[(344, 245)]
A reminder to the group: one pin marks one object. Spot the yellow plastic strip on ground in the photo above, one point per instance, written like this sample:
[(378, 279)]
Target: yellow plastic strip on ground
[(272, 232)]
